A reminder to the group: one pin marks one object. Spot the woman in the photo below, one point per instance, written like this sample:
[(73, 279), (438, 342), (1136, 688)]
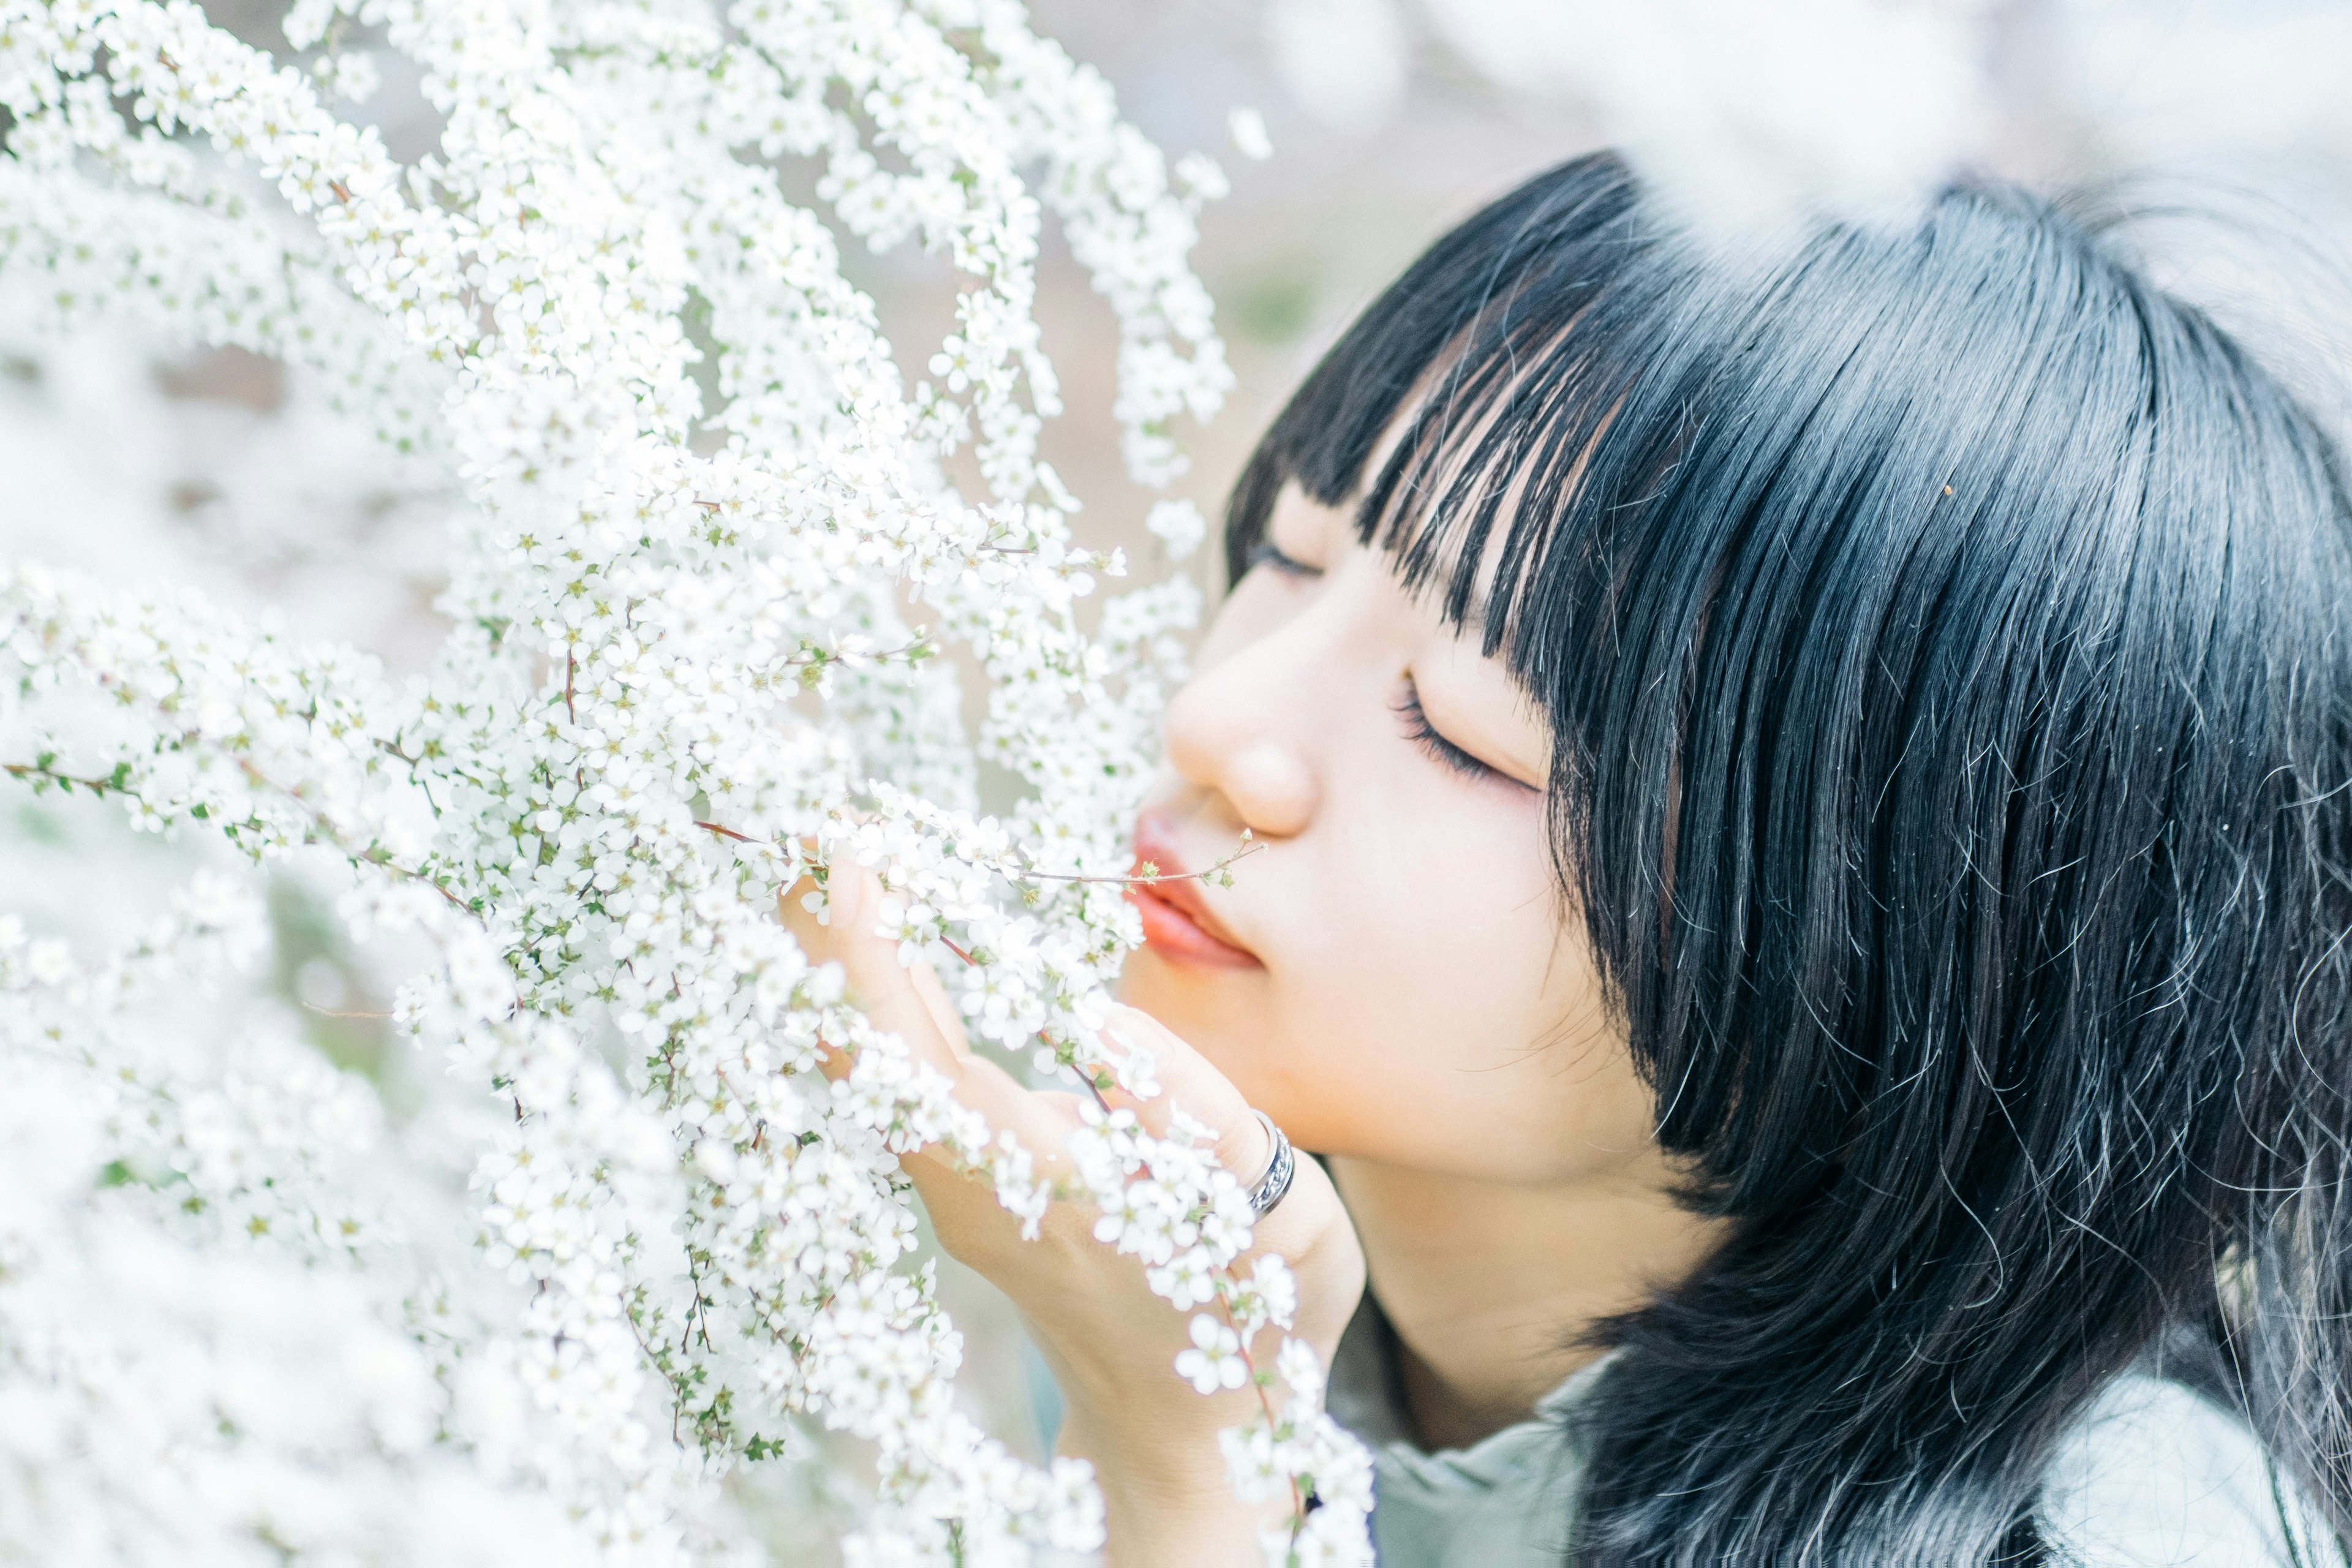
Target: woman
[(1806, 799)]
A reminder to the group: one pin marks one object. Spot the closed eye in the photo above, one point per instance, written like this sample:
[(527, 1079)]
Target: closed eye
[(1422, 734), (1264, 552)]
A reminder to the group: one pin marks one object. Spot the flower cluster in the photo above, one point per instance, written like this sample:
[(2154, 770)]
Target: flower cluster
[(718, 577), (223, 1328), (1166, 1201)]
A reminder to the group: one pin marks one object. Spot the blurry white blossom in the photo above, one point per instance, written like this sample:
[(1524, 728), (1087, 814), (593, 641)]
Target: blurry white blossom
[(1345, 60), (1178, 526), (2198, 81), (1737, 114), (1247, 127)]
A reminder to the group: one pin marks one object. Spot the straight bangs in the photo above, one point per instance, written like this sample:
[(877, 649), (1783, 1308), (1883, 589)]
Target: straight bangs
[(1471, 397), (1944, 636)]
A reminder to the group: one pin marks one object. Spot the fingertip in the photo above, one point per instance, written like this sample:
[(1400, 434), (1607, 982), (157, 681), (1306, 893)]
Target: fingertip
[(1139, 1030), (844, 895), (1135, 1032), (1133, 1027)]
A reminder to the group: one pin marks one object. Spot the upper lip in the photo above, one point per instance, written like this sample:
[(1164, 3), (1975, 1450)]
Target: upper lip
[(1155, 841)]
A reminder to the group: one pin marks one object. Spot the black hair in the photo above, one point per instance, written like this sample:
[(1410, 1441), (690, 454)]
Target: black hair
[(1944, 639)]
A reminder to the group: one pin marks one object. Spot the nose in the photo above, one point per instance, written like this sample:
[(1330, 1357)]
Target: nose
[(1241, 727)]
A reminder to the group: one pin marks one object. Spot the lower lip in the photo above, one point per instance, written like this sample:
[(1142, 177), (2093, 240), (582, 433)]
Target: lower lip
[(1173, 934)]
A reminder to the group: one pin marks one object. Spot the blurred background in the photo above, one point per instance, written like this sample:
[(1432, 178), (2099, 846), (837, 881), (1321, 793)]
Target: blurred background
[(2220, 133), (2218, 130)]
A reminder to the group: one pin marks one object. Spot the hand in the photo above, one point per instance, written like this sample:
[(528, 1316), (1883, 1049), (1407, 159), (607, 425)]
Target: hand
[(1111, 1343)]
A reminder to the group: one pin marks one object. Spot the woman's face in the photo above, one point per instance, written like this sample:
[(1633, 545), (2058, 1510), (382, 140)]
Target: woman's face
[(1389, 975)]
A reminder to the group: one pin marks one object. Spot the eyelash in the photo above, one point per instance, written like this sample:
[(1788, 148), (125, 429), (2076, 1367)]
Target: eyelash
[(1266, 553), (1444, 751)]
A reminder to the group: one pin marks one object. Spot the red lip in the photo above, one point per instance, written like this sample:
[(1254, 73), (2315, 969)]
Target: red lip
[(1177, 923)]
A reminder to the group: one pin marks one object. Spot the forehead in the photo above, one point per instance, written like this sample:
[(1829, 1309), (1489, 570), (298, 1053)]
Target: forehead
[(1298, 522)]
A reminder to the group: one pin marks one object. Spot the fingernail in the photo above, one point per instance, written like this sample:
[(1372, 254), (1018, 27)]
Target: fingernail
[(845, 891), (1131, 1028)]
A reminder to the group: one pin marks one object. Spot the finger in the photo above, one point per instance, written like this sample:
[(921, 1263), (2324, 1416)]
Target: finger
[(793, 910), (908, 1000), (1189, 1080), (903, 999)]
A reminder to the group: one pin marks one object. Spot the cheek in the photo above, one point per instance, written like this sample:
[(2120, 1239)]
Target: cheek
[(1443, 1015)]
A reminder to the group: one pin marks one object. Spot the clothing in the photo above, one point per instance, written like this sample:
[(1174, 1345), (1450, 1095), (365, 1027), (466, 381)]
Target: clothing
[(2153, 1476)]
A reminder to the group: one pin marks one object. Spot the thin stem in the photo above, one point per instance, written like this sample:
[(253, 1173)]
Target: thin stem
[(1027, 874), (318, 825), (1265, 1405), (1087, 1079), (1243, 854), (414, 875), (36, 771), (338, 1012), (917, 647)]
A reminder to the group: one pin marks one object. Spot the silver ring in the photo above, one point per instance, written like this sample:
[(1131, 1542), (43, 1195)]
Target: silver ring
[(1280, 1166)]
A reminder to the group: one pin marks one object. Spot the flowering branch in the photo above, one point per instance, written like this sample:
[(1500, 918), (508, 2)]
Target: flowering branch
[(687, 631), (1150, 873), (44, 775)]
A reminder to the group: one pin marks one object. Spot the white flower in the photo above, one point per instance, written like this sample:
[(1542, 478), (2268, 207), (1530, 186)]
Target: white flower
[(351, 76), (1247, 127), (1179, 527), (48, 962), (1215, 1360), (1297, 1365)]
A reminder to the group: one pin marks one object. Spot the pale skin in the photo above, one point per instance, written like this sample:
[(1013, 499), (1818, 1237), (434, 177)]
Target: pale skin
[(1392, 978)]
